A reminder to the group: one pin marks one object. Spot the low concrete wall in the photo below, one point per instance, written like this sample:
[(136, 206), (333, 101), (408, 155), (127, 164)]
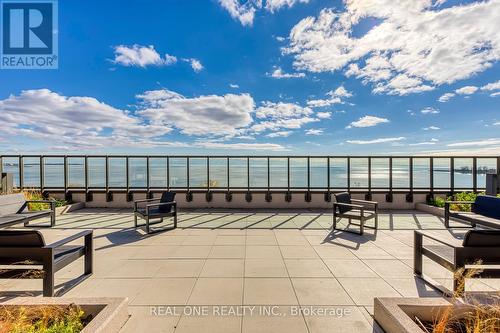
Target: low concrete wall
[(239, 202)]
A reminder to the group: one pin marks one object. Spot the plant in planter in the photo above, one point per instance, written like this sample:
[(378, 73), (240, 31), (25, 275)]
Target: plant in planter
[(36, 195), (462, 196), (42, 319), (476, 317)]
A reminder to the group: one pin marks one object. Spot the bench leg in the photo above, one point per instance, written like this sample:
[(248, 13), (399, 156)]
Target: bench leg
[(147, 225), (53, 219), (48, 278), (89, 255), (334, 225), (417, 254), (135, 220), (175, 220)]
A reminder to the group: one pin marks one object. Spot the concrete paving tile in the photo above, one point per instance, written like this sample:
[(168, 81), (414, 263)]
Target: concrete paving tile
[(223, 268), (307, 268), (320, 291), (217, 291), (163, 291), (265, 268), (271, 291)]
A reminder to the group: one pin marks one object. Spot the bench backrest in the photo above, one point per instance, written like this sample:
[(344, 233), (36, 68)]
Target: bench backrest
[(166, 197), (21, 238), (482, 238), (344, 198), (11, 203), (487, 205)]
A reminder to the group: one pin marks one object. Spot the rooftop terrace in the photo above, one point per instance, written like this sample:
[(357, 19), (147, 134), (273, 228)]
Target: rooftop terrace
[(285, 260)]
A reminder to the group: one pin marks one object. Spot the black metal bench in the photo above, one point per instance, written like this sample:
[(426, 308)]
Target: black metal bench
[(485, 211), (156, 209), (455, 255), (14, 210), (352, 209), (19, 248)]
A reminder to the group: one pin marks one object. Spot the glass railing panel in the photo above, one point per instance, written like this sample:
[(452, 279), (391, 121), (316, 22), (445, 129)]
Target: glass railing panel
[(158, 172), (298, 173), (178, 172), (338, 173), (463, 174), (96, 172), (11, 165), (421, 173), (442, 173), (380, 172), (138, 172), (319, 172), (198, 172), (218, 172), (258, 172), (117, 172), (238, 177), (53, 172), (76, 172), (359, 172), (31, 169), (400, 172), (278, 168), (485, 166)]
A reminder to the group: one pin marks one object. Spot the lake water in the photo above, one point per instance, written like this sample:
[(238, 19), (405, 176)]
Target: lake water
[(177, 172)]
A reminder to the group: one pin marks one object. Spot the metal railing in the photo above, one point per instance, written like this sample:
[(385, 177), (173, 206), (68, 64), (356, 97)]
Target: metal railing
[(150, 173)]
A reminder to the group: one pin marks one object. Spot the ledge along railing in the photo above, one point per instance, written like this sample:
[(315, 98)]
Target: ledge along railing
[(131, 174)]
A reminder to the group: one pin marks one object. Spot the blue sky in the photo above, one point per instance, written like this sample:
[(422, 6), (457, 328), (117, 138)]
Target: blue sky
[(262, 77)]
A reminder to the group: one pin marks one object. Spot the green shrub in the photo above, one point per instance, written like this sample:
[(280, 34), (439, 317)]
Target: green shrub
[(462, 196), (36, 195)]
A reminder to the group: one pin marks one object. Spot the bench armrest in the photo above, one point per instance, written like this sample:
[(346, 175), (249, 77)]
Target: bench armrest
[(366, 202), (69, 239), (437, 238), (347, 205), (137, 202), (460, 202), (172, 203)]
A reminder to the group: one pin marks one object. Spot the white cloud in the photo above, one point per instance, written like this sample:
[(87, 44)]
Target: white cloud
[(314, 131), (49, 117), (380, 140), (279, 134), (281, 110), (425, 143), (429, 110), (141, 56), (491, 86), (279, 74), (243, 146), (234, 86), (486, 142), (446, 97), (335, 97), (203, 115), (280, 39), (274, 125), (495, 94), (415, 47), (467, 90), (245, 12), (273, 5), (496, 123), (368, 121), (340, 92), (195, 64), (324, 115), (431, 128)]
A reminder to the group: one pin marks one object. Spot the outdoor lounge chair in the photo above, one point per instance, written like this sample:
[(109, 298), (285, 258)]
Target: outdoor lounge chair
[(19, 248), (156, 209), (14, 210), (352, 209), (455, 255), (484, 211)]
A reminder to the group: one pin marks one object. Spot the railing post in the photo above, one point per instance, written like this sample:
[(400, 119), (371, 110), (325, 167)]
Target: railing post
[(168, 173), (42, 172), (348, 174), (21, 172), (474, 174), (430, 196), (228, 176), (389, 197), (368, 195), (208, 173), (452, 176), (148, 193), (88, 195), (109, 195)]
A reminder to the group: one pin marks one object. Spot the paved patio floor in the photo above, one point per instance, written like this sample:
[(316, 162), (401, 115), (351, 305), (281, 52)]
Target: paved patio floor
[(241, 271)]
